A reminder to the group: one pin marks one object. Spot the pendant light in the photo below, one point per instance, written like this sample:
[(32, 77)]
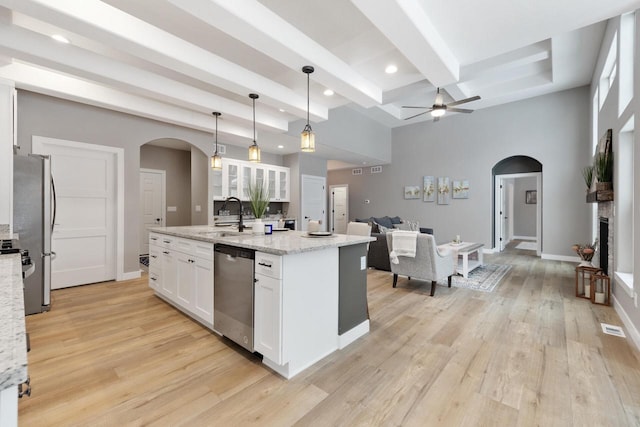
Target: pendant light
[(254, 150), (307, 137), (216, 159)]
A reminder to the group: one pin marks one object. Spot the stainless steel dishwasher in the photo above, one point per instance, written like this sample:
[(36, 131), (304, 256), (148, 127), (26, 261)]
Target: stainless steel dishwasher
[(233, 292)]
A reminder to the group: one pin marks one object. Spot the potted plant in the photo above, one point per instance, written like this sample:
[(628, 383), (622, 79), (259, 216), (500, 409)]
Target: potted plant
[(258, 195), (604, 171), (587, 174)]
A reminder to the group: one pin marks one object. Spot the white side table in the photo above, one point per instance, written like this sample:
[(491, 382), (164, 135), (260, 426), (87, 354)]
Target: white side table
[(469, 256)]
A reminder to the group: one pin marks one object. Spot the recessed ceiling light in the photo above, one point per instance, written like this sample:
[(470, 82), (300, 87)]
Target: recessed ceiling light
[(328, 92), (281, 110), (60, 38), (280, 146), (390, 69)]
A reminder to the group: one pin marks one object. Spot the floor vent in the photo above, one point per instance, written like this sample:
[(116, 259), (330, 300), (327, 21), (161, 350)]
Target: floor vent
[(612, 330)]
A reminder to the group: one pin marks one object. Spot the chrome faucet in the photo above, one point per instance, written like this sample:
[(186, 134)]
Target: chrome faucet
[(240, 224)]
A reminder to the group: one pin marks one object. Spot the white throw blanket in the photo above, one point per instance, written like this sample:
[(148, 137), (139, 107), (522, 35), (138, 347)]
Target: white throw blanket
[(403, 244)]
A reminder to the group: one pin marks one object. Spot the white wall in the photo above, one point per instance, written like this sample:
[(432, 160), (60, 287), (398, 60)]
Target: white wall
[(553, 129), (609, 117), (6, 152)]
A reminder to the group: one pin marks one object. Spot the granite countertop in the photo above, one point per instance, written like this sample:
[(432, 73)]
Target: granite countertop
[(278, 243), (13, 344)]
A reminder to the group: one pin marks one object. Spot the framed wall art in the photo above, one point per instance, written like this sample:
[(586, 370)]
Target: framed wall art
[(460, 189), (412, 192), (429, 189), (444, 190), (531, 197)]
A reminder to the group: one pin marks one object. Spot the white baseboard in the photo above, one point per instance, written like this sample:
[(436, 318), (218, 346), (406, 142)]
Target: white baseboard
[(534, 238), (131, 275), (560, 258), (631, 329), (353, 334)]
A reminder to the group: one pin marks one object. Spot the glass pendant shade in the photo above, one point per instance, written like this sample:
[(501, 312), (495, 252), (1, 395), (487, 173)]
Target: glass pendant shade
[(254, 150), (438, 112), (307, 140), (254, 153), (216, 159), (307, 137)]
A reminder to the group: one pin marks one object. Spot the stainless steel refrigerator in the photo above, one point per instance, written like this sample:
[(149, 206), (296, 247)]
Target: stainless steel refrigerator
[(33, 218)]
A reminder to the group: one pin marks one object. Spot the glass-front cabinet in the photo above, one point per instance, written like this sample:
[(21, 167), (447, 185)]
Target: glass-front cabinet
[(236, 175)]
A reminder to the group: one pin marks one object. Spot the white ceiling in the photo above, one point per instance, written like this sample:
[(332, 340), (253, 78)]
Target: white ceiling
[(179, 60)]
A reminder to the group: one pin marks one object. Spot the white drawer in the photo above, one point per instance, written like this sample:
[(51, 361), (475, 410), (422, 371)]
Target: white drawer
[(202, 249), (268, 264), (155, 239)]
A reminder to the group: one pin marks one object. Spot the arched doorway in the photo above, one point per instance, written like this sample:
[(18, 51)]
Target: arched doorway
[(181, 170), (513, 203)]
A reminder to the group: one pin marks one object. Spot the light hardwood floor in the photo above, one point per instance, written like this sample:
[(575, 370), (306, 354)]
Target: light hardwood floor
[(528, 354)]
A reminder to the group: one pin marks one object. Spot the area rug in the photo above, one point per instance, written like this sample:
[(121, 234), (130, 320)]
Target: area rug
[(529, 246), (483, 279), (144, 260)]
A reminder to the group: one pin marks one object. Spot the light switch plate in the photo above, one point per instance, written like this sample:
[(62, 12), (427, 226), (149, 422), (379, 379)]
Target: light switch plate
[(172, 209), (198, 208)]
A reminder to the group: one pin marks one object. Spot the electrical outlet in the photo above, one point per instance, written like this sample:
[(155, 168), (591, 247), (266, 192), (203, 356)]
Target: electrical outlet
[(363, 263)]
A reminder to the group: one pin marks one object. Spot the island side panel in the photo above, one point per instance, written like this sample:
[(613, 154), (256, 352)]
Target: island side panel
[(353, 308), (310, 307)]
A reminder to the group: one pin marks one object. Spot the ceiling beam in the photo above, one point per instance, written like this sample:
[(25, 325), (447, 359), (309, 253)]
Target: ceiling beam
[(41, 50), (255, 25), (73, 89), (407, 26), (99, 21)]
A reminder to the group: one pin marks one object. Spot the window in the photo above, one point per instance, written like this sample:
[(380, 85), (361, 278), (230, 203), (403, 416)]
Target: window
[(609, 71), (623, 228), (627, 36)]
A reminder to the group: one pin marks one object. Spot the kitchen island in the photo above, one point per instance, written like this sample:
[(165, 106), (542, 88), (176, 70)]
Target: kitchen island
[(310, 292)]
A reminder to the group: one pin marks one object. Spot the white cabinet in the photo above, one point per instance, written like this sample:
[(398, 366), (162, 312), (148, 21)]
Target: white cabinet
[(181, 271), (216, 185), (237, 175), (267, 333)]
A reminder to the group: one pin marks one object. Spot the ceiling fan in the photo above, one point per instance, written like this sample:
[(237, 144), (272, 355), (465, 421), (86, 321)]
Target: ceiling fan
[(438, 108)]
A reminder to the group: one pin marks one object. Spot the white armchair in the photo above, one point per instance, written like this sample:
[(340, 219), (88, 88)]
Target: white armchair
[(428, 264)]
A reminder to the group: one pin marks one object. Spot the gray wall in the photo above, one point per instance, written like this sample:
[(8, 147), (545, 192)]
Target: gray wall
[(609, 117), (524, 215), (553, 129), (200, 165), (349, 130), (177, 165), (56, 118)]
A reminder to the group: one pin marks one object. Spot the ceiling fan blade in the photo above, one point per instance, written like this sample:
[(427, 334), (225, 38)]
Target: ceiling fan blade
[(459, 110), (411, 106), (419, 114), (462, 101)]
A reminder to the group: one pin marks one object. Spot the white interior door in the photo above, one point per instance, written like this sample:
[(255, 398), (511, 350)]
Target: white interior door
[(152, 204), (84, 235), (313, 201), (339, 208)]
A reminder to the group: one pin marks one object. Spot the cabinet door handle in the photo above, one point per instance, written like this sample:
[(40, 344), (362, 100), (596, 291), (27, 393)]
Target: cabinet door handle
[(167, 241), (264, 264), (154, 238), (192, 260), (154, 256), (154, 279), (165, 252)]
